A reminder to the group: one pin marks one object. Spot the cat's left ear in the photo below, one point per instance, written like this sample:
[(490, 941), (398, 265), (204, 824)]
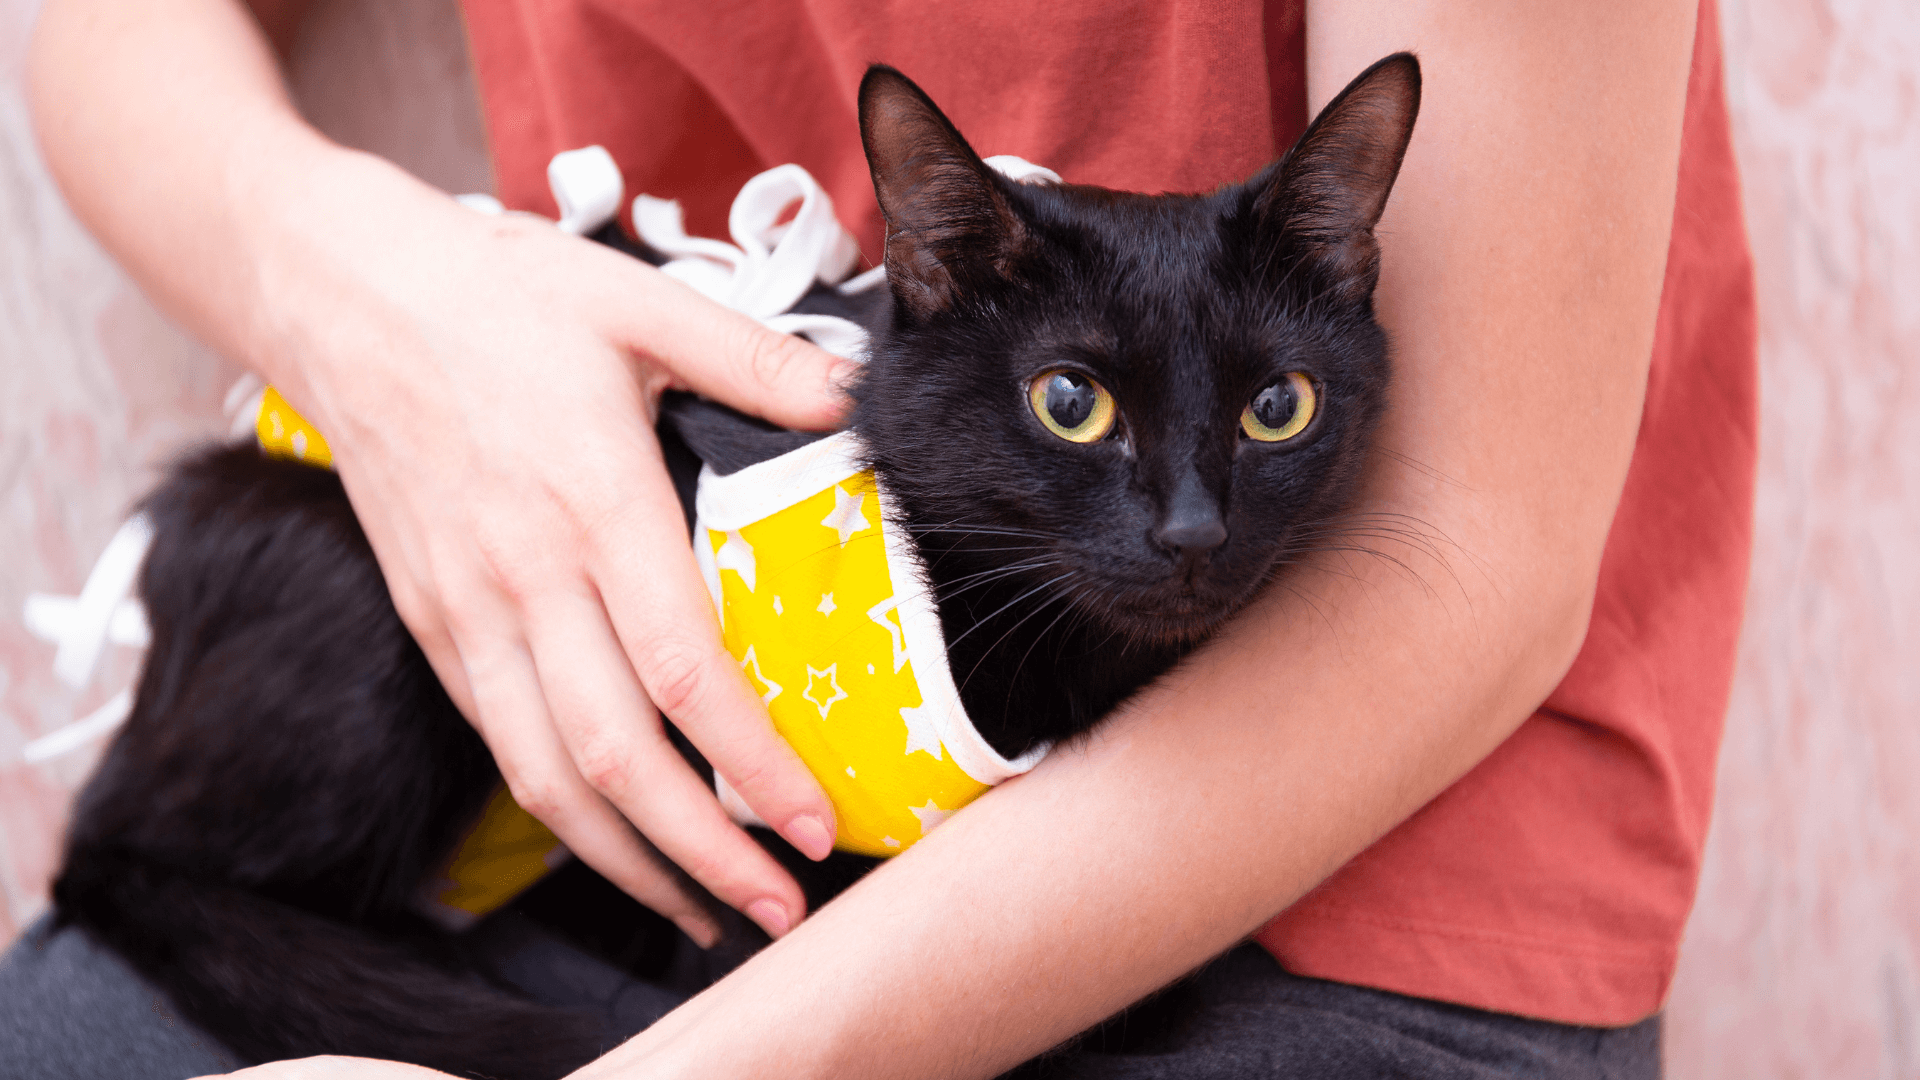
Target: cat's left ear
[(949, 227), (1328, 193)]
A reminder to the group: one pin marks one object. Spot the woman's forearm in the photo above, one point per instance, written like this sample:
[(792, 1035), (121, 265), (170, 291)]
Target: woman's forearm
[(169, 128), (1175, 830), (1523, 262)]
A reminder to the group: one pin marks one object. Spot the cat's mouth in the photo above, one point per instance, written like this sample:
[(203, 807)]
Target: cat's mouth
[(1175, 615)]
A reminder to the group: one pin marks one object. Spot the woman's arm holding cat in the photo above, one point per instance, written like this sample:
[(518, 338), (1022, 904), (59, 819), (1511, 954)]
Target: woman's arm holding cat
[(1524, 250), (488, 386)]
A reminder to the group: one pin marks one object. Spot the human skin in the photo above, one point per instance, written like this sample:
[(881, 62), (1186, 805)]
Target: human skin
[(1523, 252), (488, 388)]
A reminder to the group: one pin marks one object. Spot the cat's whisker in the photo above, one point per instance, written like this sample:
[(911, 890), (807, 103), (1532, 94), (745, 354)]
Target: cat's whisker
[(1420, 466), (1398, 528), (1003, 607), (1413, 541), (1037, 609), (987, 577), (1386, 525), (922, 533), (1037, 639), (1279, 566), (1312, 602), (984, 551), (933, 556), (960, 525), (1361, 549), (961, 519)]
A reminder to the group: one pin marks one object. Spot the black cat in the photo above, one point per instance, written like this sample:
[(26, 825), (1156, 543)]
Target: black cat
[(1108, 419)]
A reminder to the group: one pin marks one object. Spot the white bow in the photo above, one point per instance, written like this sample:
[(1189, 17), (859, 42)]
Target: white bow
[(770, 265), (82, 625)]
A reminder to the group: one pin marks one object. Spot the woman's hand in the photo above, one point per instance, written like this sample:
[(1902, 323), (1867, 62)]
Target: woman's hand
[(488, 387)]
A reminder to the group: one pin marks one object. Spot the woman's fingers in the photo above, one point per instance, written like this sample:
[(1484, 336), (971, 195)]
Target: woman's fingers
[(663, 615), (615, 740), (729, 357), (511, 714), (513, 486), (517, 632)]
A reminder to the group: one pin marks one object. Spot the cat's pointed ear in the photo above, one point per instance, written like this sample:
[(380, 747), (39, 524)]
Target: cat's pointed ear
[(1329, 191), (948, 224)]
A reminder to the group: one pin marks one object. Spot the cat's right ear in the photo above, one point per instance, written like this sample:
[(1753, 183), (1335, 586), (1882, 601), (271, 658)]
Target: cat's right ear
[(948, 224), (1328, 193)]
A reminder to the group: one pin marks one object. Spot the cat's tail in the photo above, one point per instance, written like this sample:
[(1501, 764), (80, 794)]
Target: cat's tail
[(273, 981)]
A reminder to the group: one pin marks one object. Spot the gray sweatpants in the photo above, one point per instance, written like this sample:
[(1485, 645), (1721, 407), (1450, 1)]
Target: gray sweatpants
[(71, 1010)]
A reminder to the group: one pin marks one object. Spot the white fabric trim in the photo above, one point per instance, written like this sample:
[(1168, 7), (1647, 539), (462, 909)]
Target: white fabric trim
[(96, 724), (51, 618), (769, 266), (1021, 171), (734, 501), (82, 625), (841, 337), (110, 581), (586, 185), (927, 648), (862, 282)]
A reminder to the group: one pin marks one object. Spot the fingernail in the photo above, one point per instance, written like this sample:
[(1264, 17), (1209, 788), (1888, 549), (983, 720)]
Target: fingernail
[(841, 377), (771, 916), (811, 836), (704, 934)]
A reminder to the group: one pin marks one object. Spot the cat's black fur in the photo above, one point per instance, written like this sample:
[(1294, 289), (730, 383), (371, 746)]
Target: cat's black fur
[(256, 835)]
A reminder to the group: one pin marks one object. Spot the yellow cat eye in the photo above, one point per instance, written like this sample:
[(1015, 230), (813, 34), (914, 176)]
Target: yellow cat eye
[(1282, 410), (1072, 406)]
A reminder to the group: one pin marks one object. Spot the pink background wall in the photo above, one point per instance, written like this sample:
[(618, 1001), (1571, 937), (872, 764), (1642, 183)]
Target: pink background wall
[(1803, 955)]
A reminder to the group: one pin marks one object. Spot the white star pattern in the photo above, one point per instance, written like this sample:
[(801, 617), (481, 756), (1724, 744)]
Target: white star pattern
[(736, 555), (846, 518), (778, 608), (922, 734), (878, 613), (889, 841), (849, 770), (829, 676), (826, 604), (930, 816), (752, 663)]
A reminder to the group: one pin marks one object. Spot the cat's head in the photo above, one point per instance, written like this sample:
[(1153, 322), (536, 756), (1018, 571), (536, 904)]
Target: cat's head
[(1140, 405)]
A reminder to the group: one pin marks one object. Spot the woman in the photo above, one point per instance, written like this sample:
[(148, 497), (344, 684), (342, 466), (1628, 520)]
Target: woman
[(529, 535)]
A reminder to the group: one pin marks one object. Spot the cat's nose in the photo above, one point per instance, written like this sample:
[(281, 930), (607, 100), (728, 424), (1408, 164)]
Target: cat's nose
[(1192, 536), (1191, 527)]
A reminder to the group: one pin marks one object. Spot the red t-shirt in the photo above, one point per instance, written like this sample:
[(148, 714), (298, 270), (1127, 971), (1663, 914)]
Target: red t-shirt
[(1554, 879)]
